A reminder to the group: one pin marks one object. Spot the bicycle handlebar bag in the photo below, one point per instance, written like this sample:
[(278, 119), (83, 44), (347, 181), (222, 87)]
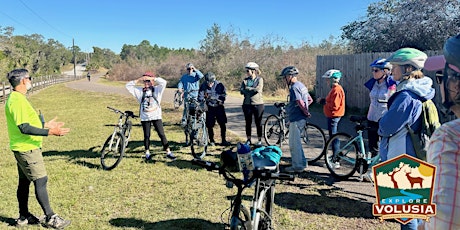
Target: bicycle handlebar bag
[(266, 156)]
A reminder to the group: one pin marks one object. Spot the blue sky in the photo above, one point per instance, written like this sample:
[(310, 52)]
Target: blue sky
[(177, 23)]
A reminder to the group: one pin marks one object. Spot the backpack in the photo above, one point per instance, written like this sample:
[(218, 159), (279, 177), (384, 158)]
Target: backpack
[(430, 122)]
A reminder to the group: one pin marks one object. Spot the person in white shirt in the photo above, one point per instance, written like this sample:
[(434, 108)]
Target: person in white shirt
[(149, 98)]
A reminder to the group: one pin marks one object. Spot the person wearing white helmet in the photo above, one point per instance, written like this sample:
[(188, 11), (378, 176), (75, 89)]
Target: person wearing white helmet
[(444, 147), (253, 103), (188, 85), (334, 103)]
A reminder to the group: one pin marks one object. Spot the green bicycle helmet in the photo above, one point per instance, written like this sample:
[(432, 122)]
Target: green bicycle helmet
[(408, 56)]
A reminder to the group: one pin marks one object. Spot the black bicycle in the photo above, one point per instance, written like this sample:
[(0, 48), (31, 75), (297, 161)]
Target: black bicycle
[(276, 132), (259, 216), (114, 147)]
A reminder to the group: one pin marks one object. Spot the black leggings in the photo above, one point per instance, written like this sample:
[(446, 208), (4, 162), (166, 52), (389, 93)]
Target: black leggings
[(158, 125), (373, 137), (257, 111), (41, 193)]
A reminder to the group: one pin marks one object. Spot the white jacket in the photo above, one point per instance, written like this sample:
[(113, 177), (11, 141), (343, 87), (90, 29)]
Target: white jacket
[(150, 108)]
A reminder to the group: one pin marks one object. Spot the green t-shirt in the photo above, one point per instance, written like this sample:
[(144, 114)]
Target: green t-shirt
[(18, 111)]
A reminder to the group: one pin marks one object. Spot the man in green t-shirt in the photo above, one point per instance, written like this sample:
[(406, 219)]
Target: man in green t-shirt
[(26, 130)]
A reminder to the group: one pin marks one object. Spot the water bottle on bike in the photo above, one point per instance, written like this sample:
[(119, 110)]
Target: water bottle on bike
[(245, 161)]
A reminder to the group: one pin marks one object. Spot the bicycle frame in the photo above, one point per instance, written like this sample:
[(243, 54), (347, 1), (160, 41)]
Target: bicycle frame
[(365, 160), (264, 180)]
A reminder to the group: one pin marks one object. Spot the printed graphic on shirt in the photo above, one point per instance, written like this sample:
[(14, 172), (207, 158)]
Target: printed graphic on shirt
[(404, 189), (149, 104)]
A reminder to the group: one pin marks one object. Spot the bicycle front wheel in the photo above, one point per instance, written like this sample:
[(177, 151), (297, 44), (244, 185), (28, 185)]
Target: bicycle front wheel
[(241, 222), (341, 156), (273, 132), (112, 152), (313, 142), (199, 141), (265, 209)]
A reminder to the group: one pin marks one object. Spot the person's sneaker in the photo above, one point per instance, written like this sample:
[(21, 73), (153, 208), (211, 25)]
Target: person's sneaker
[(187, 143), (212, 143), (225, 143), (183, 124), (57, 222), (25, 220), (293, 170), (147, 155), (259, 143), (248, 142), (336, 165), (171, 156)]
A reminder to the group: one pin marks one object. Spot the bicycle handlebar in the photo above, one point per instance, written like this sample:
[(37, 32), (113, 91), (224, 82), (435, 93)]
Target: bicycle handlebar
[(126, 113)]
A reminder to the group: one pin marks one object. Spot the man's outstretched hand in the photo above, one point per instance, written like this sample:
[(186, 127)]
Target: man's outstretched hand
[(55, 128)]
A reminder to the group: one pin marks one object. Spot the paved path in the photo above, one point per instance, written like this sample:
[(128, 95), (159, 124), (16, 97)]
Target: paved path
[(318, 172)]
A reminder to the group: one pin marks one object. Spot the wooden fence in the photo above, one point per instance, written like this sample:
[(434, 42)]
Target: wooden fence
[(356, 71), (37, 84)]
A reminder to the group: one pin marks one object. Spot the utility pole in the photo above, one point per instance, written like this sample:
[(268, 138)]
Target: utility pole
[(74, 61)]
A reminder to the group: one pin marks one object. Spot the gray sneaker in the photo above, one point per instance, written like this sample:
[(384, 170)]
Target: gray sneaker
[(57, 222), (25, 220)]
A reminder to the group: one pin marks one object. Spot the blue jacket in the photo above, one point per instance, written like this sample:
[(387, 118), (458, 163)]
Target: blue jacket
[(190, 83), (404, 107)]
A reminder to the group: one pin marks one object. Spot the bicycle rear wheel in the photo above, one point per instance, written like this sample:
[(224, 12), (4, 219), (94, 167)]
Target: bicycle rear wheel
[(199, 140), (313, 142), (112, 152), (272, 130), (343, 163)]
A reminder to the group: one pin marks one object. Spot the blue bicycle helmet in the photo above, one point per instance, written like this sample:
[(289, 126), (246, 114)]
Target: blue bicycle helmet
[(381, 63)]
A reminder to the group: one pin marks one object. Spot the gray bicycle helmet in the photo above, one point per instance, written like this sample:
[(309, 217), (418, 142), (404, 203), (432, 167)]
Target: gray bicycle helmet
[(452, 51), (290, 70), (189, 65), (210, 77)]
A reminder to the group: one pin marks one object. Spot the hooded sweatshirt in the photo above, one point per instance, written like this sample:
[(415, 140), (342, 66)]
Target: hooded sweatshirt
[(404, 107)]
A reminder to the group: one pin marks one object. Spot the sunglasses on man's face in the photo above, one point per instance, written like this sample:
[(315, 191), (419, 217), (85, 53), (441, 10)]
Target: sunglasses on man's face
[(147, 81), (375, 70)]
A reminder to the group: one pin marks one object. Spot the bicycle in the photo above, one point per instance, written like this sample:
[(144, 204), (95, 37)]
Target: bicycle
[(259, 216), (350, 153), (195, 128), (276, 132), (114, 147), (178, 99)]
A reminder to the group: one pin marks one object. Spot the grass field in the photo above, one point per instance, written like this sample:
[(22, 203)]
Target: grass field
[(162, 194)]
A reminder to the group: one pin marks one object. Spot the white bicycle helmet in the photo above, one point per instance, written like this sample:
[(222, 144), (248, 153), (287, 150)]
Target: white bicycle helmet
[(332, 73), (252, 65)]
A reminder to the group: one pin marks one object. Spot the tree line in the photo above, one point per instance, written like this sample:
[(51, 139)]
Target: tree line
[(387, 26)]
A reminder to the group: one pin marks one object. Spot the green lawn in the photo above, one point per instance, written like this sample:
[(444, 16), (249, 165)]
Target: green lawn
[(155, 195)]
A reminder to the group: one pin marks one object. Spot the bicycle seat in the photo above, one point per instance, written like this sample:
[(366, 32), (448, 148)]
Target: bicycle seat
[(129, 113), (358, 119), (279, 105), (264, 164)]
